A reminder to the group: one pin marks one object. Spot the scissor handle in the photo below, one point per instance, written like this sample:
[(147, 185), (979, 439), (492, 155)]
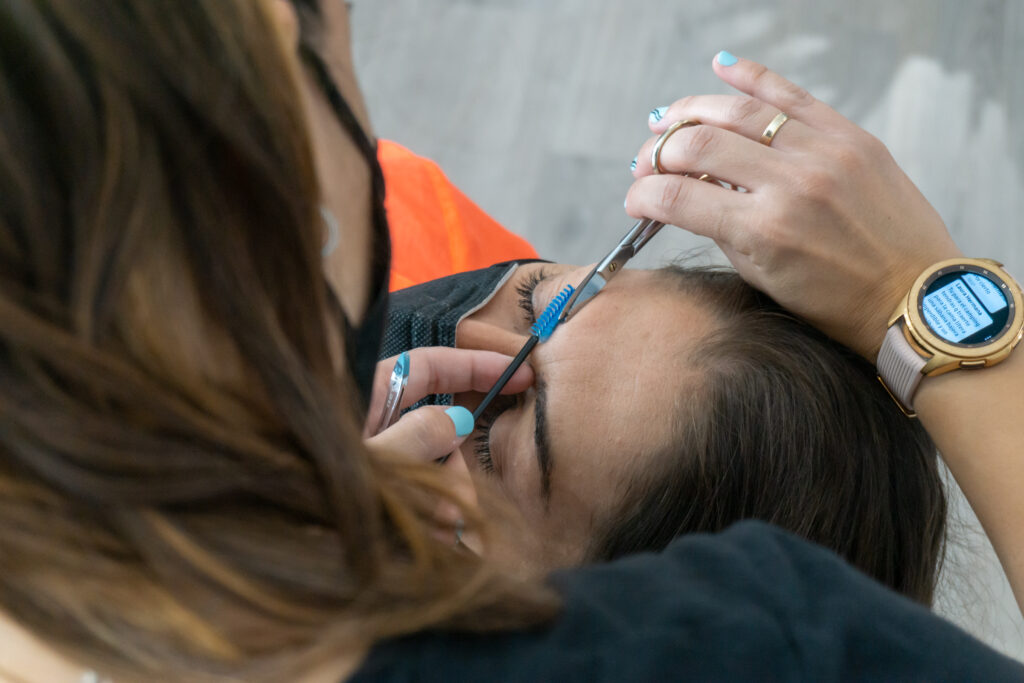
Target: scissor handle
[(648, 228), (612, 264), (628, 246)]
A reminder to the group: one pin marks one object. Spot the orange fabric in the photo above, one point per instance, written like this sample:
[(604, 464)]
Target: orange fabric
[(435, 229)]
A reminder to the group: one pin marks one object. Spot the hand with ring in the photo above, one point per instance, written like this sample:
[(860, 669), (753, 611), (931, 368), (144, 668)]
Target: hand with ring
[(829, 225), (431, 433)]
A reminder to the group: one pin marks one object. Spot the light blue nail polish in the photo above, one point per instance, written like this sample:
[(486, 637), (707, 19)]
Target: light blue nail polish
[(632, 166), (726, 58), (657, 114), (462, 419)]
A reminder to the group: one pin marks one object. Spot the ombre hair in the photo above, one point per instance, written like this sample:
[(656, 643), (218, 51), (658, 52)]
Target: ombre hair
[(790, 427), (184, 492)]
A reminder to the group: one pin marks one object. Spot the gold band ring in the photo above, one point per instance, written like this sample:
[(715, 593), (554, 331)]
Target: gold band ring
[(656, 152), (769, 133)]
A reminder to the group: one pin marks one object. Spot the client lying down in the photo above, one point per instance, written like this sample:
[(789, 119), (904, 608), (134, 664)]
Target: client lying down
[(682, 400)]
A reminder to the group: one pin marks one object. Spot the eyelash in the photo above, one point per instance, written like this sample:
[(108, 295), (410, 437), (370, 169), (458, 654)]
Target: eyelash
[(525, 291), (482, 442)]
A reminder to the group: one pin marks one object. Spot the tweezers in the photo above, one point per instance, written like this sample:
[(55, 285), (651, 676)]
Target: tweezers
[(612, 264)]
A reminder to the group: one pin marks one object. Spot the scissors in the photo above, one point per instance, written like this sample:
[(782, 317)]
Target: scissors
[(612, 264)]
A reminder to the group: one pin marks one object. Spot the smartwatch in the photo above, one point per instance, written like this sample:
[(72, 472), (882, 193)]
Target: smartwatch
[(961, 313)]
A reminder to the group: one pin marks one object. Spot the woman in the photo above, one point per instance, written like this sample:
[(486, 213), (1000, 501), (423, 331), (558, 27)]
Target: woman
[(185, 496), (184, 490), (682, 401)]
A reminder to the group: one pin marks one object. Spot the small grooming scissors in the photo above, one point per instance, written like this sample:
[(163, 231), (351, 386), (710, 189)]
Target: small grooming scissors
[(628, 247)]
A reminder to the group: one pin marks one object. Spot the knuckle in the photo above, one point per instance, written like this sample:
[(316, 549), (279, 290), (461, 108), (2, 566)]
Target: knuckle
[(759, 74), (851, 156), (428, 430), (818, 183), (847, 159), (701, 142), (794, 96), (873, 147), (744, 110), (673, 195), (684, 103)]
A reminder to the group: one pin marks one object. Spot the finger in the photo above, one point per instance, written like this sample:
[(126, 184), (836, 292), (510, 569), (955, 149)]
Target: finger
[(707, 149), (747, 116), (454, 528), (425, 434), (742, 263), (701, 208), (443, 370), (759, 81)]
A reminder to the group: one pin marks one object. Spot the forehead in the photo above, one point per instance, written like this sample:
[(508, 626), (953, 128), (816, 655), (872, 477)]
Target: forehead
[(614, 378)]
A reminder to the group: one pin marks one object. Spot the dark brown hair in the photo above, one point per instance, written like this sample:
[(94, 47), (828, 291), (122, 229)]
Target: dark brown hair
[(787, 426), (183, 486)]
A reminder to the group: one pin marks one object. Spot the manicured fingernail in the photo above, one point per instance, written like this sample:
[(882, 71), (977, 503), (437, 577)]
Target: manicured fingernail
[(632, 166), (625, 203), (462, 419), (726, 58), (657, 114)]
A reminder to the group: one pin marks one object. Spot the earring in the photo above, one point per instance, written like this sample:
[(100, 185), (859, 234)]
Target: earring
[(333, 233)]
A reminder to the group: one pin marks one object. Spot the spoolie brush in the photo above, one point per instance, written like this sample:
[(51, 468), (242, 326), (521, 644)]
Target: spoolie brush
[(542, 329)]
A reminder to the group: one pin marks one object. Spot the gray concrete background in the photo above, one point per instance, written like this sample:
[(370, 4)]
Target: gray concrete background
[(536, 107)]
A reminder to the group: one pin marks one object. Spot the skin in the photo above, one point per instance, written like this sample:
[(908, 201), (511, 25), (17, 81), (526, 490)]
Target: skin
[(342, 170), (605, 417)]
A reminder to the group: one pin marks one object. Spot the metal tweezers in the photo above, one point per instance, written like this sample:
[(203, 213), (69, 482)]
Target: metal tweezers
[(612, 264)]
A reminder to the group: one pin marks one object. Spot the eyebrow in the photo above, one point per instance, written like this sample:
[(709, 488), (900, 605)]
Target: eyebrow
[(542, 440)]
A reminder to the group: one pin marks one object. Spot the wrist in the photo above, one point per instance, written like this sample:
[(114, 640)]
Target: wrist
[(960, 313), (893, 289)]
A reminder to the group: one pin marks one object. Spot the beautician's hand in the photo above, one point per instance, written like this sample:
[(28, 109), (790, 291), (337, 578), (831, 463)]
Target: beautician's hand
[(432, 432), (830, 226)]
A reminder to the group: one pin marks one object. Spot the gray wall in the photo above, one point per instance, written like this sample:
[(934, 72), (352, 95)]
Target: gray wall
[(536, 107)]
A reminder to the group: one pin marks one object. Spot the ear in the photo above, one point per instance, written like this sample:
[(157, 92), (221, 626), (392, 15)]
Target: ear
[(284, 15)]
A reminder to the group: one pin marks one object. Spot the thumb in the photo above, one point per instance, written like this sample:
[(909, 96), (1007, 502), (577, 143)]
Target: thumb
[(425, 434)]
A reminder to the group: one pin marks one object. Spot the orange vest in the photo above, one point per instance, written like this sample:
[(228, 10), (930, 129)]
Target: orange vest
[(435, 229)]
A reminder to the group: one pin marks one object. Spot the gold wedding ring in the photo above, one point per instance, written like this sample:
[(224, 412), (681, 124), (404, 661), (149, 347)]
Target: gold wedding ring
[(769, 133), (656, 152)]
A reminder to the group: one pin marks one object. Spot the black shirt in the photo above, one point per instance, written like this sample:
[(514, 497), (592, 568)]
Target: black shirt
[(751, 603)]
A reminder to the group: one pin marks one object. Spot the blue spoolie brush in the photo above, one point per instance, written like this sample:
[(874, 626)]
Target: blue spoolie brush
[(542, 329)]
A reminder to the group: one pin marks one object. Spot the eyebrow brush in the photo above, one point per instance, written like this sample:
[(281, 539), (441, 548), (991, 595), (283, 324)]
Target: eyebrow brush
[(541, 330)]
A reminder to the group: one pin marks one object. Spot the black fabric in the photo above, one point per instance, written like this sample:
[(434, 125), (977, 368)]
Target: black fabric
[(752, 603), (427, 314)]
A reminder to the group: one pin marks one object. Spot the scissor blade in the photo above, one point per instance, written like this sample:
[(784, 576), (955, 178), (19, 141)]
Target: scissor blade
[(594, 284)]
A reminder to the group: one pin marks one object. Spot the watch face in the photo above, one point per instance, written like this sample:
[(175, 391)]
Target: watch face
[(966, 305)]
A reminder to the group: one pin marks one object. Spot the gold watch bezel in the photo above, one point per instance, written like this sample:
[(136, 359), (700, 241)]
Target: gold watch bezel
[(947, 356)]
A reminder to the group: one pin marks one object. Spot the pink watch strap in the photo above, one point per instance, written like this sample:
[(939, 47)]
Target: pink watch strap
[(899, 365)]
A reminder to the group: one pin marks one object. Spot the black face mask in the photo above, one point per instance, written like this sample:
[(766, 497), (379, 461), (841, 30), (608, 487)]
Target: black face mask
[(363, 340), (427, 314)]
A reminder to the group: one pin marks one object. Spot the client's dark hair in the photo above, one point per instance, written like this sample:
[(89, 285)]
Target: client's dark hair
[(790, 427)]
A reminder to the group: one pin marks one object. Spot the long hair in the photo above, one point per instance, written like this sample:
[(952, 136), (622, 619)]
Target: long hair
[(787, 426), (183, 486)]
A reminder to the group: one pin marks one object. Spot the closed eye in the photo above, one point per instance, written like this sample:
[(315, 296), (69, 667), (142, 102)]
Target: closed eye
[(525, 291)]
